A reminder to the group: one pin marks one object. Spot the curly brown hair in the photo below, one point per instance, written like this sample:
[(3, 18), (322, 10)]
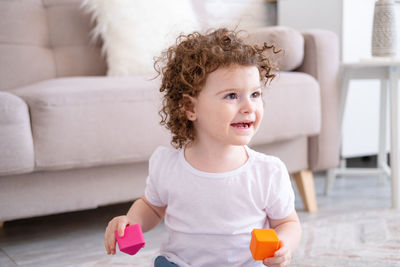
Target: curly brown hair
[(184, 68)]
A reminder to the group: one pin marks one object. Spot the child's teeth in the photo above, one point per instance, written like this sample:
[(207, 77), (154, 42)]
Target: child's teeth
[(242, 124)]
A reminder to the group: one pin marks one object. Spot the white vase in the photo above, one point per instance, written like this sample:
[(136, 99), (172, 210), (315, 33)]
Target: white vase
[(384, 29)]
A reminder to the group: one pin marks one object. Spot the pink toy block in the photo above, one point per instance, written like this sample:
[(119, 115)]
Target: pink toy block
[(132, 241)]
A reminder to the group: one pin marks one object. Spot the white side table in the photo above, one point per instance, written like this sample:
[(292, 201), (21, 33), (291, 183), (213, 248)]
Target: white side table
[(388, 72)]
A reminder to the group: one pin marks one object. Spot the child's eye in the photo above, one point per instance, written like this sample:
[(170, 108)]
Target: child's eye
[(231, 96), (256, 94)]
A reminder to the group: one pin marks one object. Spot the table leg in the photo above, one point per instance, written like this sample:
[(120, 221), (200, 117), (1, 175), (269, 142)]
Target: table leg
[(394, 151), (382, 153), (344, 88)]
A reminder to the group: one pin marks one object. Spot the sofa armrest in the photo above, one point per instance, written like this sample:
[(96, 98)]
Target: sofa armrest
[(321, 60), (16, 146)]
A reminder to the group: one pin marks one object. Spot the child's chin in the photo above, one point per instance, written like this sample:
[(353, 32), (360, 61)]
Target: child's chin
[(242, 141)]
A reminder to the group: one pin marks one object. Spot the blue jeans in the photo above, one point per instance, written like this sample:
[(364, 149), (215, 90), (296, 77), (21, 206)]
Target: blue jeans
[(161, 261)]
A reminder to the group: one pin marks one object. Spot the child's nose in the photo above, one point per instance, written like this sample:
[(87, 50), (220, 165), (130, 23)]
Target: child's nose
[(248, 106)]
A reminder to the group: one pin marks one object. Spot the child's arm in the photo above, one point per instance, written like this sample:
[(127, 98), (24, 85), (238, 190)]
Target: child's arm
[(289, 233), (141, 212), (145, 214)]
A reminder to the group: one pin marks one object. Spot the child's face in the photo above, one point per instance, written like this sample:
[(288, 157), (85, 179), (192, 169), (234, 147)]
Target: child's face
[(229, 108)]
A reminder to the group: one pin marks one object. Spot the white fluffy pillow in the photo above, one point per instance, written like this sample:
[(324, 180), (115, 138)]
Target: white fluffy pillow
[(136, 31)]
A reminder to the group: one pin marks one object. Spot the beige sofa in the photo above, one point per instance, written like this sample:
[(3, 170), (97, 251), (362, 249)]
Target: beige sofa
[(72, 138)]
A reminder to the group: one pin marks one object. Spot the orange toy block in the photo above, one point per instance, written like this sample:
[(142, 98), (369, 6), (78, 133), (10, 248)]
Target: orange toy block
[(263, 244)]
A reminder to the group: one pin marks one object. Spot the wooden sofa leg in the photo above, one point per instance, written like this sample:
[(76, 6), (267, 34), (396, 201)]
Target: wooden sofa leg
[(305, 184)]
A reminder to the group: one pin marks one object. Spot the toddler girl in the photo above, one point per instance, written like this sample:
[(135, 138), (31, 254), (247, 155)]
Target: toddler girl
[(212, 190)]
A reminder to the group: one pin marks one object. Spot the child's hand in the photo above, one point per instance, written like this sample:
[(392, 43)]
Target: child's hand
[(281, 257), (118, 223)]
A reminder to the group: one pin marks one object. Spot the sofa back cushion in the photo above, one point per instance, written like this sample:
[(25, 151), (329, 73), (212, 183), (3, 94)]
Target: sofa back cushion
[(45, 39), (289, 40)]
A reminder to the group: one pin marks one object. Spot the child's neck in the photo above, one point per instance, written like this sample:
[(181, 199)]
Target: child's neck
[(215, 159)]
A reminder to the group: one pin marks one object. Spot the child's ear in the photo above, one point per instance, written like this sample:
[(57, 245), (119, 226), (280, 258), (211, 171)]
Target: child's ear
[(188, 107)]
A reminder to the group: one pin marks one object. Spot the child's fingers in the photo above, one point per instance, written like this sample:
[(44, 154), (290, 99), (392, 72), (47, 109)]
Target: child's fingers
[(110, 245), (110, 236), (121, 226), (118, 223), (281, 257), (276, 261), (109, 240), (282, 249), (281, 243)]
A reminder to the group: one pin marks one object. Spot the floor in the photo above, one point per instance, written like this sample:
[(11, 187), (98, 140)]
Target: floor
[(72, 238)]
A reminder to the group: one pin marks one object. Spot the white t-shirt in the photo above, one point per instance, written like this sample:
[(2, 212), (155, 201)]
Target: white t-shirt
[(210, 216)]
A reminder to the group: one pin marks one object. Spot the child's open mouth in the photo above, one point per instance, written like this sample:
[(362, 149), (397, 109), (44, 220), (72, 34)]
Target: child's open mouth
[(242, 125)]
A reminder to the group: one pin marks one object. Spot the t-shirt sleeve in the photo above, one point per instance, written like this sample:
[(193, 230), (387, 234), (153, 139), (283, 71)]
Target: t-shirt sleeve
[(153, 191), (280, 200)]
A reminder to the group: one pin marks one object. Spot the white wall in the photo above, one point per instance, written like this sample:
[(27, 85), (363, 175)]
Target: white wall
[(357, 28), (361, 121), (308, 14), (245, 14), (352, 20)]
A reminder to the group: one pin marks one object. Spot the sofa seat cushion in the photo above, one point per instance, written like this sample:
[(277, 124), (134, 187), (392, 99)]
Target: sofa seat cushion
[(89, 121), (292, 108), (16, 146)]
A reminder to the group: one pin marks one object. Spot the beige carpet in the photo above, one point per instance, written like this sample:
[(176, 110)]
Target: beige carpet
[(142, 259), (365, 238)]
